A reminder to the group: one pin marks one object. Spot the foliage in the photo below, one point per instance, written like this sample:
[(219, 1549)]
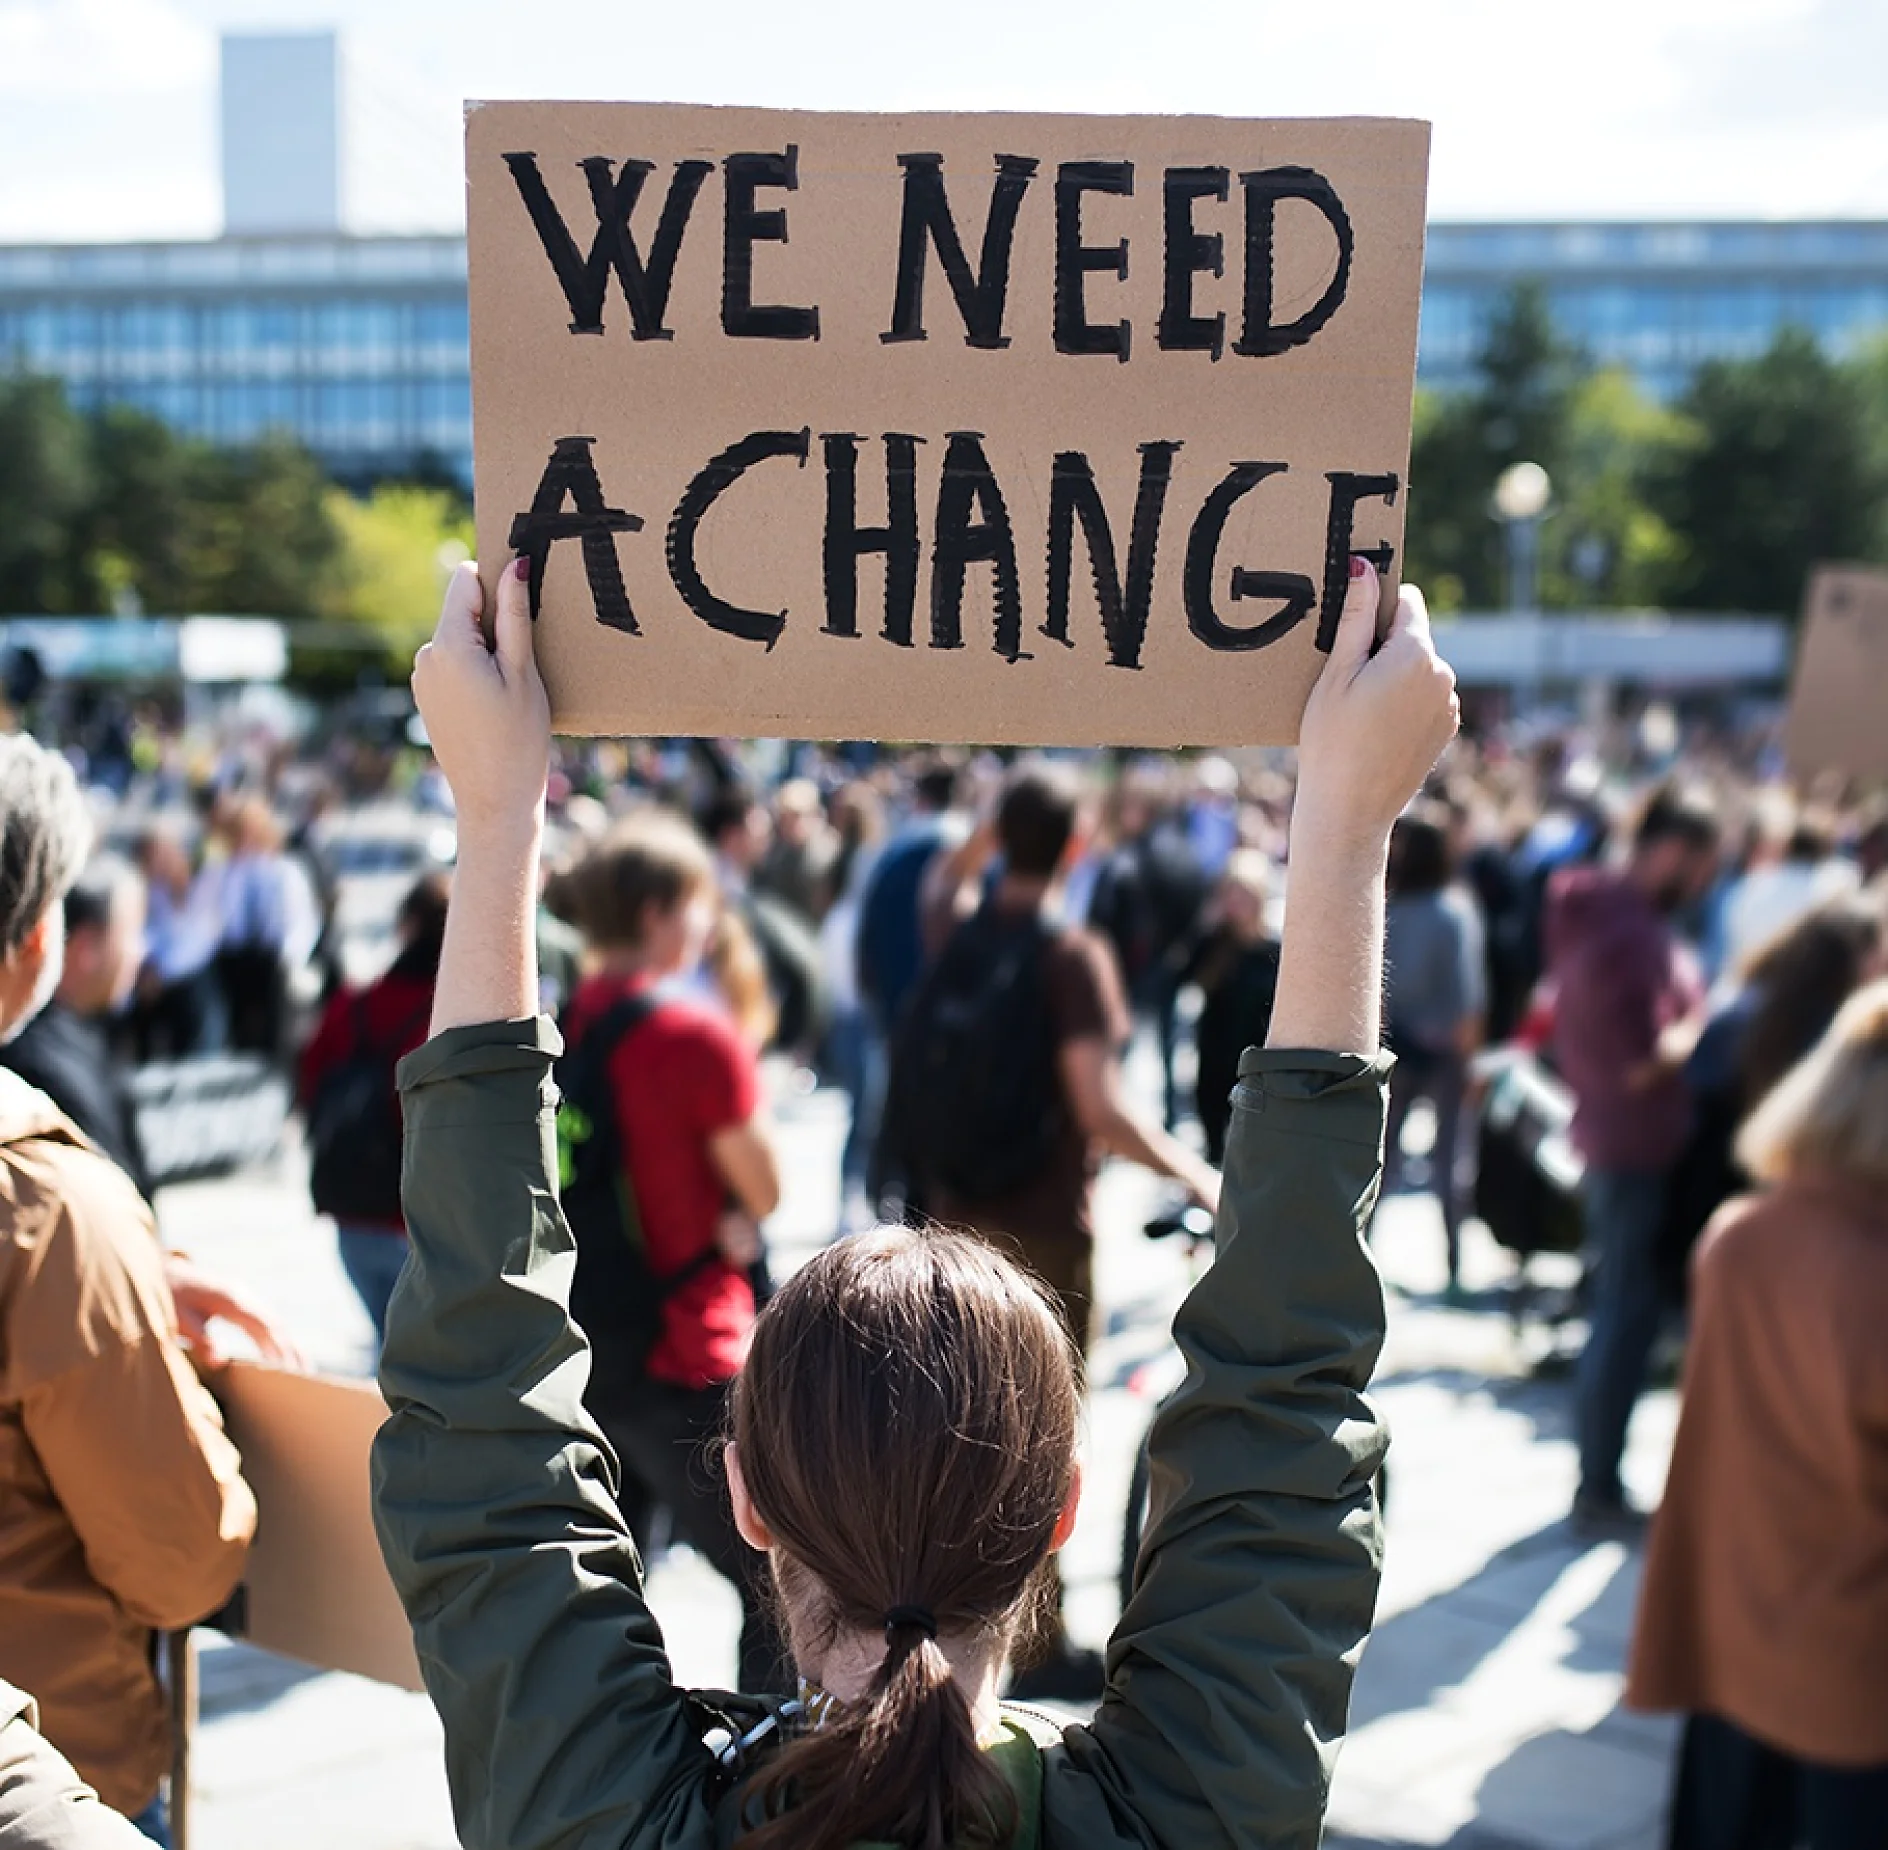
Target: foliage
[(397, 546), (260, 539), (1609, 548), (1518, 410), (46, 486), (1781, 469), (117, 512), (1720, 502)]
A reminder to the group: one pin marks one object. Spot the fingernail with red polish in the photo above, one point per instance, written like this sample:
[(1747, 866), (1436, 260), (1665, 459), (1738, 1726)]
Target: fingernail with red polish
[(1358, 565), (522, 568)]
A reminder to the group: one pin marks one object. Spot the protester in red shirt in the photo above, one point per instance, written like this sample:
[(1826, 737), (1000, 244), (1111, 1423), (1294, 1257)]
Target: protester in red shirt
[(347, 1094), (685, 1085)]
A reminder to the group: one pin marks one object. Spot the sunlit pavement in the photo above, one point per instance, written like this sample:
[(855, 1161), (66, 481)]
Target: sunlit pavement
[(1486, 1712)]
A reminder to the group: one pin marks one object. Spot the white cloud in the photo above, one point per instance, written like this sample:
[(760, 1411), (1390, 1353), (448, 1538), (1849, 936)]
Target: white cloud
[(99, 50), (1616, 108)]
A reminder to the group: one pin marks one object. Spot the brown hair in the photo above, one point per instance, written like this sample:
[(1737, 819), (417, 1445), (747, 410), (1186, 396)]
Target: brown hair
[(1037, 815), (1829, 1114), (1682, 813), (1422, 858), (739, 974), (651, 858), (1800, 979), (421, 919), (906, 1424)]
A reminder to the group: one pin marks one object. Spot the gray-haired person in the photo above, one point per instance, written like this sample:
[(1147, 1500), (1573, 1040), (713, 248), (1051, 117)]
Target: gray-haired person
[(122, 1506)]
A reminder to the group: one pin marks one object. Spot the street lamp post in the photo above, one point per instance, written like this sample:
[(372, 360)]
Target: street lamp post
[(1522, 494)]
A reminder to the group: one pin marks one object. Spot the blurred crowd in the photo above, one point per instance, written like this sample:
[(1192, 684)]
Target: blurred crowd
[(1651, 923)]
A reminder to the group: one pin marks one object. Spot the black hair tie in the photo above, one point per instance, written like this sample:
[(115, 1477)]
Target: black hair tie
[(910, 1619)]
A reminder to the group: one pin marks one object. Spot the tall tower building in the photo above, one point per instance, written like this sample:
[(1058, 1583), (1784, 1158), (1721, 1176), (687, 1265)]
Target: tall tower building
[(281, 134)]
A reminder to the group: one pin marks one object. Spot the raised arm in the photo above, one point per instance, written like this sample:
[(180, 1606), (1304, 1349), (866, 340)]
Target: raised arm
[(489, 720), (1230, 1671), (494, 1496)]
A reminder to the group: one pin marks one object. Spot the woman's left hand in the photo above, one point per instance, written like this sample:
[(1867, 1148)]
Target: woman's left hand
[(487, 715)]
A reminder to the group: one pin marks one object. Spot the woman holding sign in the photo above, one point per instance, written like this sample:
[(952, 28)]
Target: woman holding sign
[(904, 1433)]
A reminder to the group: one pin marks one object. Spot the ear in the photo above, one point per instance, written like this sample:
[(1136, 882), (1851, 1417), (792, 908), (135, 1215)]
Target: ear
[(1065, 1523), (31, 951), (753, 1531)]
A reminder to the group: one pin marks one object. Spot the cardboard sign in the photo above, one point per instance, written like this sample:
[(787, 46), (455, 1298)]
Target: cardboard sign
[(1838, 717), (1009, 429), (315, 1587)]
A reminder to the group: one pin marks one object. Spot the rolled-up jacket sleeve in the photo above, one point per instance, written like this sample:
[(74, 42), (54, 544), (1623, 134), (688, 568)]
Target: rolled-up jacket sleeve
[(1231, 1668), (495, 1497)]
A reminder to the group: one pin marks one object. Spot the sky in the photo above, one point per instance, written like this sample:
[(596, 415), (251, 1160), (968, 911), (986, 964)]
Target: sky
[(1607, 109)]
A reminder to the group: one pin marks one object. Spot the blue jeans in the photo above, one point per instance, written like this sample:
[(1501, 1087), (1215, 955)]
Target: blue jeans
[(1624, 1211), (372, 1257), (856, 1059)]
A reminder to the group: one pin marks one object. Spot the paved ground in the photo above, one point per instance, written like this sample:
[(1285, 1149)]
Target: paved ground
[(1486, 1714)]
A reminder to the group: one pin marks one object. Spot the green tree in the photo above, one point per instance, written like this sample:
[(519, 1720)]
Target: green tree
[(397, 545), (1519, 409), (260, 537), (133, 538), (45, 487), (1607, 546), (1780, 470), (1869, 373)]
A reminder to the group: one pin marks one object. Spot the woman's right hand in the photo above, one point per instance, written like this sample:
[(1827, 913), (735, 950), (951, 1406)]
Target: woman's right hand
[(1375, 724), (487, 715), (1378, 718)]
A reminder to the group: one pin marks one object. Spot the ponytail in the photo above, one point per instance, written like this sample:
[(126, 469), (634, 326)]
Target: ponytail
[(900, 1766), (906, 1431)]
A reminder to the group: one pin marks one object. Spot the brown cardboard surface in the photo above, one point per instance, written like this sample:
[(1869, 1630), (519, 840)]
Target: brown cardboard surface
[(315, 1587), (1838, 716), (657, 410)]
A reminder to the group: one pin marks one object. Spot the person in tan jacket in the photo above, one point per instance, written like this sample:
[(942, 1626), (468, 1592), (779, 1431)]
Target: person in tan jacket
[(1763, 1617), (122, 1504)]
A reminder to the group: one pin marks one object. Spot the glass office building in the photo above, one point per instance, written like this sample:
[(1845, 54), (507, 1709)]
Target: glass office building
[(355, 345), (358, 345), (1658, 299)]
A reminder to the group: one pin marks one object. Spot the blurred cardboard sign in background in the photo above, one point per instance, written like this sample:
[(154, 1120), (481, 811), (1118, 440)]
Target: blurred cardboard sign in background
[(1032, 429), (315, 1586), (1838, 717)]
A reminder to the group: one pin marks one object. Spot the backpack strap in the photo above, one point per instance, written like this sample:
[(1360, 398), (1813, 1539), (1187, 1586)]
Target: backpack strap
[(610, 1029), (595, 1048)]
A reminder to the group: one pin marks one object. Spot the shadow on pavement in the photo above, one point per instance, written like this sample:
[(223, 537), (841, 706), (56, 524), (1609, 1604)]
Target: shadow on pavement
[(1417, 1655), (1571, 1787), (1542, 1399), (234, 1678)]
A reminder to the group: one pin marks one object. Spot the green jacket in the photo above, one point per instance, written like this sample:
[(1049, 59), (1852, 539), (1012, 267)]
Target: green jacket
[(1230, 1671)]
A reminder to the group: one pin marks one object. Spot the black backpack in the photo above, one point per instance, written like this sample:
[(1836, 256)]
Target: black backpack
[(354, 1128), (616, 1297), (974, 1103)]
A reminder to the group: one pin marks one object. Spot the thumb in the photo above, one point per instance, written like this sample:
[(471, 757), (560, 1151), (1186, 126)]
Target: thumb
[(459, 612), (1357, 626), (511, 633), (1412, 616)]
